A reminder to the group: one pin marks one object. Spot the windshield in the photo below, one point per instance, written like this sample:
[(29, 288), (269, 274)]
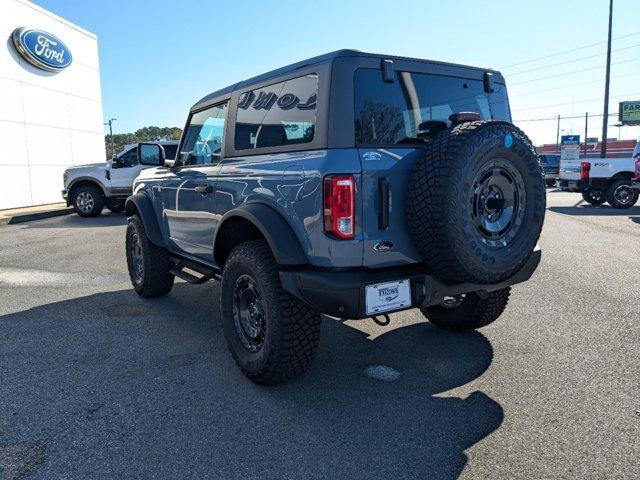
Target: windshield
[(392, 112)]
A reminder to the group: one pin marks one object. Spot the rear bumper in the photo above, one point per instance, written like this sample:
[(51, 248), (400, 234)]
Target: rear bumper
[(342, 294), (573, 185)]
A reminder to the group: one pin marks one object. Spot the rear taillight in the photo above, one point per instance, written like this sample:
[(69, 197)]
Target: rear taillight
[(637, 177), (339, 206), (585, 168)]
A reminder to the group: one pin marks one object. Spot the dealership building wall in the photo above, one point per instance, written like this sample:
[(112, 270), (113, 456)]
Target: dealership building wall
[(48, 121)]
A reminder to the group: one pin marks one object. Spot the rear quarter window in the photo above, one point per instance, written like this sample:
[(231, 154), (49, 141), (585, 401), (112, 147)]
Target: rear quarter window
[(391, 113), (277, 115)]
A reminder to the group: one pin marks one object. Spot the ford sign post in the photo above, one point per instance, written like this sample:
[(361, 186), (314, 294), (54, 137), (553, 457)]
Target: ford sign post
[(41, 49)]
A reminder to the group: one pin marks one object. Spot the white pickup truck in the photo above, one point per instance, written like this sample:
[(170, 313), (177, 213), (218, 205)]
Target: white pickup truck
[(602, 179), (89, 188)]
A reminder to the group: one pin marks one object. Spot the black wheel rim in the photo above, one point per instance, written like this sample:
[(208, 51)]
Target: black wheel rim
[(498, 201), (137, 262), (623, 194), (596, 195), (248, 313)]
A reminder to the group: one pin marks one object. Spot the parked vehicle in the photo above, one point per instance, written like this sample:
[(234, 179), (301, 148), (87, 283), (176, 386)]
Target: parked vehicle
[(89, 188), (349, 184), (551, 168), (601, 180)]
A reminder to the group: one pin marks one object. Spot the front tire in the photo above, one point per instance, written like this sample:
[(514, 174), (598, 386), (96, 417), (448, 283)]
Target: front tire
[(149, 265), (87, 200), (272, 335), (468, 311), (621, 195), (594, 196)]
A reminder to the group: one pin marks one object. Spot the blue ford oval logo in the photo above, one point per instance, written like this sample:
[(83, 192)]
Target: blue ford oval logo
[(41, 49)]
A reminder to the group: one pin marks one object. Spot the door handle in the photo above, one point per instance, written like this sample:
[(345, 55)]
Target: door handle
[(204, 189)]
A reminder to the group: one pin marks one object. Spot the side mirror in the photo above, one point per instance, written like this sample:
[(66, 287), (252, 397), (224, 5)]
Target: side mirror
[(151, 154), (115, 162)]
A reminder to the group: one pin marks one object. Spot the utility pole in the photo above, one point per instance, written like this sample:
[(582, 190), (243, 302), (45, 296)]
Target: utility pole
[(558, 136), (110, 123), (605, 117), (586, 124)]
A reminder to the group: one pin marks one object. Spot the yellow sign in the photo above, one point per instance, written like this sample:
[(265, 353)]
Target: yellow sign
[(629, 113)]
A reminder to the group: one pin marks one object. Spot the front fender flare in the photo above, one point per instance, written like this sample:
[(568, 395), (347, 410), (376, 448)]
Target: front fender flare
[(141, 204), (274, 228)]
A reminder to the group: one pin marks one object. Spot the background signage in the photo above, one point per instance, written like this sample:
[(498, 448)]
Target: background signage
[(629, 113), (41, 49), (570, 148)]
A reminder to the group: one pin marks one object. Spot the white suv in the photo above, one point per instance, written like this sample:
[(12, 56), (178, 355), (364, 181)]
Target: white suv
[(89, 188)]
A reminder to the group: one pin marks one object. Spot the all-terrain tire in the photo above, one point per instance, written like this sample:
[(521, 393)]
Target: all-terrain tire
[(473, 311), (443, 189), (594, 196), (287, 339), (149, 265), (613, 195), (87, 200)]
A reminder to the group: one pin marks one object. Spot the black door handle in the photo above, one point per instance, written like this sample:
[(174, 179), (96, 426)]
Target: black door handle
[(383, 215), (204, 189)]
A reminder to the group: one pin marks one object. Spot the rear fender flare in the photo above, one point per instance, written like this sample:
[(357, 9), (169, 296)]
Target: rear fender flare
[(274, 228)]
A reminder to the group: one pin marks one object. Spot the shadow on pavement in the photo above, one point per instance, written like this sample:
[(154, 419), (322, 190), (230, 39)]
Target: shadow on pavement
[(112, 386), (106, 219), (602, 210)]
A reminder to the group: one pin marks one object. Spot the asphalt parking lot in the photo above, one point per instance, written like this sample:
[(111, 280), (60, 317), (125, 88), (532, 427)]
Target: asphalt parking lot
[(96, 382)]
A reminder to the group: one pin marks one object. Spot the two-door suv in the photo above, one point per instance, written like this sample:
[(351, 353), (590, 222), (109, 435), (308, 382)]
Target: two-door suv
[(349, 184)]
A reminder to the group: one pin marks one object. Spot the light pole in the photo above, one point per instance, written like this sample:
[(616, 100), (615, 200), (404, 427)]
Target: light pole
[(110, 123), (605, 116)]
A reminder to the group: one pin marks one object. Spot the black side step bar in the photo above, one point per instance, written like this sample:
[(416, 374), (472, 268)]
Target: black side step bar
[(207, 273)]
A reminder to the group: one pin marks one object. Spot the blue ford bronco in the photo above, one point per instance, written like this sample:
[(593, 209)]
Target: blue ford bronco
[(350, 184)]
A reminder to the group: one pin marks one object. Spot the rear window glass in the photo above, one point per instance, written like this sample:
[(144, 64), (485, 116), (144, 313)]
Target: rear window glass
[(280, 114), (550, 160), (389, 113)]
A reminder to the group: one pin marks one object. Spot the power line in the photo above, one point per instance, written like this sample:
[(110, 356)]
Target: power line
[(572, 85), (572, 61), (561, 118), (573, 72), (599, 99), (566, 51)]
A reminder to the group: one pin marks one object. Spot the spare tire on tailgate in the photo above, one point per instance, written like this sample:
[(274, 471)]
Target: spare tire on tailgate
[(476, 202)]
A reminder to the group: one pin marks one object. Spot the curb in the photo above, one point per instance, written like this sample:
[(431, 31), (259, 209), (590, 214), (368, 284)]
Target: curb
[(28, 217)]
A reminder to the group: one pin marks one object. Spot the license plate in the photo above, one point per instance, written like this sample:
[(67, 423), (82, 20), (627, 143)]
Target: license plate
[(383, 297)]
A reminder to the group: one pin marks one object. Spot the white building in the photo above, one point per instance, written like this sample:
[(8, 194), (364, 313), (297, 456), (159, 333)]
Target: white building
[(48, 120)]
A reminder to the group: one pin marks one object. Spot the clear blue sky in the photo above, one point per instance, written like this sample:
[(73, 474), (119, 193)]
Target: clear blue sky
[(158, 57)]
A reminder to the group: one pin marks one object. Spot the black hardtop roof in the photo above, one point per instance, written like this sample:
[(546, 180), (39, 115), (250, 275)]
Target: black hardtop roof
[(320, 59)]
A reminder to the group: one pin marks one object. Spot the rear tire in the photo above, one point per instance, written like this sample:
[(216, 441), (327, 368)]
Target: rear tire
[(149, 265), (594, 196), (116, 206), (87, 200), (468, 312), (621, 195), (272, 335)]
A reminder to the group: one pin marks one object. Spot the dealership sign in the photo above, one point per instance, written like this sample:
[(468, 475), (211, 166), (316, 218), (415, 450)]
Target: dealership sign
[(629, 113), (41, 49)]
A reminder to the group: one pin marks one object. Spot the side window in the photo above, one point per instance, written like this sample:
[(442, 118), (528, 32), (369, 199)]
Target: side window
[(170, 151), (280, 114), (130, 158), (203, 138)]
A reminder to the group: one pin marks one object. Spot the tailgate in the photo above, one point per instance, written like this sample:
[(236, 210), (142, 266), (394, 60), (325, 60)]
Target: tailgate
[(390, 245)]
